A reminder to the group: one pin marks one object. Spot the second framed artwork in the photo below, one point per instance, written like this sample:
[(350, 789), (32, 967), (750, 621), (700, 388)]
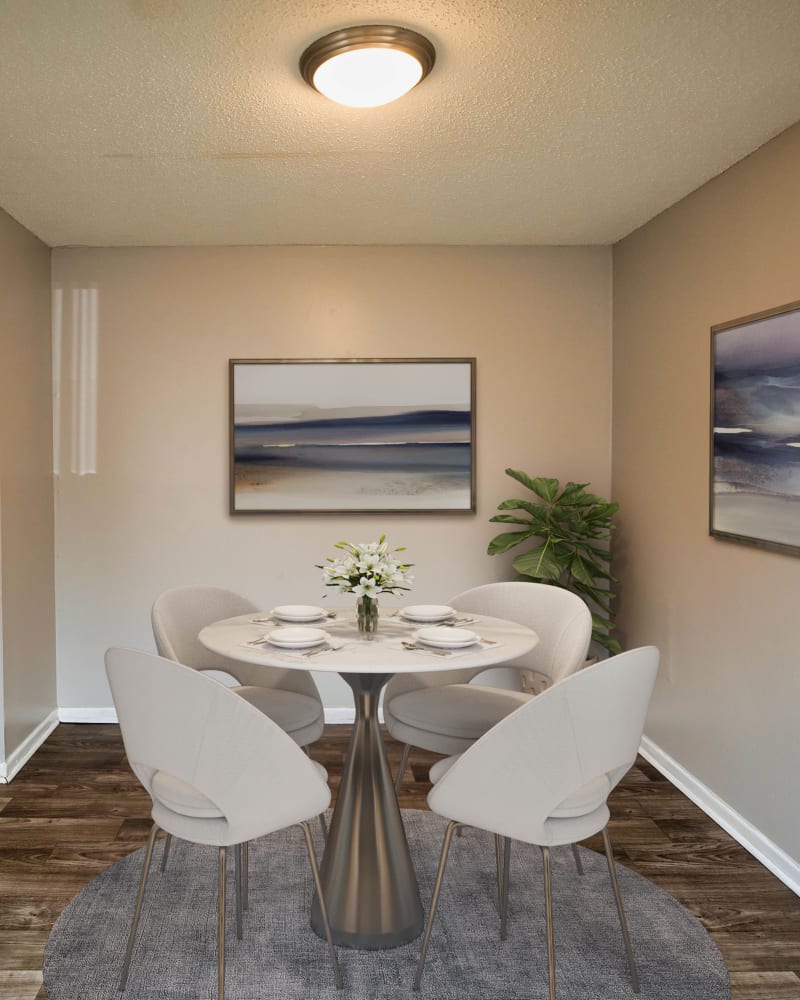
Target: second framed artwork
[(340, 435), (755, 438)]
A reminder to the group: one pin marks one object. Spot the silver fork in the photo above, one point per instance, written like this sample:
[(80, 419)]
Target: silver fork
[(426, 649), (327, 648)]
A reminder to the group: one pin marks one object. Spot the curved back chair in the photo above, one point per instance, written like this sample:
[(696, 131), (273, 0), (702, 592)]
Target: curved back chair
[(289, 697), (544, 773), (218, 771), (444, 713)]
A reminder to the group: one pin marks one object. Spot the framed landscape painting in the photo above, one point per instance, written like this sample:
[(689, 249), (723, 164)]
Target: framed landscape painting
[(338, 435), (755, 437)]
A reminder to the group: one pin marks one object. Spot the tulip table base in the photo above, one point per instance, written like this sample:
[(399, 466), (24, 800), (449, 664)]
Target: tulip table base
[(368, 878)]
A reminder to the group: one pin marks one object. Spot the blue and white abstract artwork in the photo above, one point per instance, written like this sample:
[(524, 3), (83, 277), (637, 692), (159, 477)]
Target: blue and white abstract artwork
[(352, 435), (756, 430)]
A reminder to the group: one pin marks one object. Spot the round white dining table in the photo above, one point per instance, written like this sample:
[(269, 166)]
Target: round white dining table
[(367, 874)]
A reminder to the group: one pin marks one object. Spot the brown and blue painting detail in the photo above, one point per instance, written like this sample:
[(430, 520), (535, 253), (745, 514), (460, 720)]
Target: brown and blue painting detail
[(355, 456), (756, 430)]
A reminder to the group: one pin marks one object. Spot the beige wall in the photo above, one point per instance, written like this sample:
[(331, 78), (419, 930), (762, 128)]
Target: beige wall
[(724, 614), (27, 660), (155, 514)]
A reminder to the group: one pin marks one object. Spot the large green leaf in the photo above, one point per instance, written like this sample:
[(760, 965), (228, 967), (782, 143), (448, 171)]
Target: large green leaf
[(521, 477), (542, 563), (597, 571), (509, 519), (536, 510), (604, 639), (506, 541), (597, 562), (602, 598), (581, 571), (601, 512), (600, 621), (573, 493), (547, 489), (597, 551)]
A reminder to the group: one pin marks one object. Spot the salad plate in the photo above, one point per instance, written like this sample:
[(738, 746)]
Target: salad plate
[(427, 613), (294, 637), (297, 613), (445, 637)]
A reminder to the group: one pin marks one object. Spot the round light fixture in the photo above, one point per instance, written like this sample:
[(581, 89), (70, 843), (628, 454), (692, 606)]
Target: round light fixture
[(367, 65)]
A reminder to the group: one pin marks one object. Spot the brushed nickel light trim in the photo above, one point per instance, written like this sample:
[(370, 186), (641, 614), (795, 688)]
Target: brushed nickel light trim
[(368, 36)]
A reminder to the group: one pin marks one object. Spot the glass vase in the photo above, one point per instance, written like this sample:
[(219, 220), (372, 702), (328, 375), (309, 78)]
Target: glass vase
[(368, 616)]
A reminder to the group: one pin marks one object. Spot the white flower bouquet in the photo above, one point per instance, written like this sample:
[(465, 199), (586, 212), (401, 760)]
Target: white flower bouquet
[(367, 570)]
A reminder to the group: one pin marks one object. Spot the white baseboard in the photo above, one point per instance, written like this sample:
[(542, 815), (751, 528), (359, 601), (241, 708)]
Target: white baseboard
[(340, 716), (345, 716), (87, 714), (23, 753), (333, 716), (782, 865)]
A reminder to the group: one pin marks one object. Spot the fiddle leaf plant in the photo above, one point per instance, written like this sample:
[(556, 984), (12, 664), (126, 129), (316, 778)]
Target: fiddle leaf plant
[(570, 533)]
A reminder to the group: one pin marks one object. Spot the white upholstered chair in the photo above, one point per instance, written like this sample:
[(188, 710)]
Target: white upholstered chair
[(289, 697), (543, 774), (442, 712), (218, 771)]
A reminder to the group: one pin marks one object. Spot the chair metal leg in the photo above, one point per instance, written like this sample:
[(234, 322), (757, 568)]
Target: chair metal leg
[(577, 855), (322, 906), (623, 922), (398, 784), (548, 902), (165, 855), (322, 822), (448, 837), (498, 857), (221, 925), (123, 979), (238, 881), (245, 875), (506, 883)]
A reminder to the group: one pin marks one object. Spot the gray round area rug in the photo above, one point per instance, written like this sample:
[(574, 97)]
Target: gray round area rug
[(280, 956)]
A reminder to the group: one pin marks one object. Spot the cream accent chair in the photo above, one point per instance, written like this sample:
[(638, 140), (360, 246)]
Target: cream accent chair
[(219, 773), (544, 773), (442, 712), (289, 697)]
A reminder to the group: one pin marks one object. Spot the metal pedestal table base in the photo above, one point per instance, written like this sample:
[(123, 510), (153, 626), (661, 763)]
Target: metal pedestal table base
[(367, 876)]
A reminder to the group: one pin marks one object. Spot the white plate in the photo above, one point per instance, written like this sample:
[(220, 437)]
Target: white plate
[(446, 637), (297, 613), (427, 613), (293, 637)]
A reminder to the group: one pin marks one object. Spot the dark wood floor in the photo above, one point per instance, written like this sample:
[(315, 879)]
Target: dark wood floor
[(75, 808)]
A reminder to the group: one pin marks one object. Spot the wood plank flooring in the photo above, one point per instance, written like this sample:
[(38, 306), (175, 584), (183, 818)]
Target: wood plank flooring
[(76, 808)]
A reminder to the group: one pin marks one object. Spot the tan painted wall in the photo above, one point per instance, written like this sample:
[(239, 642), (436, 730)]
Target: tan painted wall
[(155, 514), (26, 484), (724, 614)]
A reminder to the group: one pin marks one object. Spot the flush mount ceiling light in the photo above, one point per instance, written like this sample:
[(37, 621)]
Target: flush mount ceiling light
[(367, 65)]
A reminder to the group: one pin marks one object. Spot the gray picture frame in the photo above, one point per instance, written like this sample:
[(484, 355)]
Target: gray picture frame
[(352, 435), (754, 489)]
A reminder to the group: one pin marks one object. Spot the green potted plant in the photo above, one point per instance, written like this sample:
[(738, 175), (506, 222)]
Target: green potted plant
[(570, 531)]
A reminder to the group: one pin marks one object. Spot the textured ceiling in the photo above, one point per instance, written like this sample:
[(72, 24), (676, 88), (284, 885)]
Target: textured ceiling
[(141, 122)]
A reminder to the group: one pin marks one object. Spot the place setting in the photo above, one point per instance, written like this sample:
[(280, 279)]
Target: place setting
[(433, 614), (295, 633), (297, 614), (443, 640), (443, 632)]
